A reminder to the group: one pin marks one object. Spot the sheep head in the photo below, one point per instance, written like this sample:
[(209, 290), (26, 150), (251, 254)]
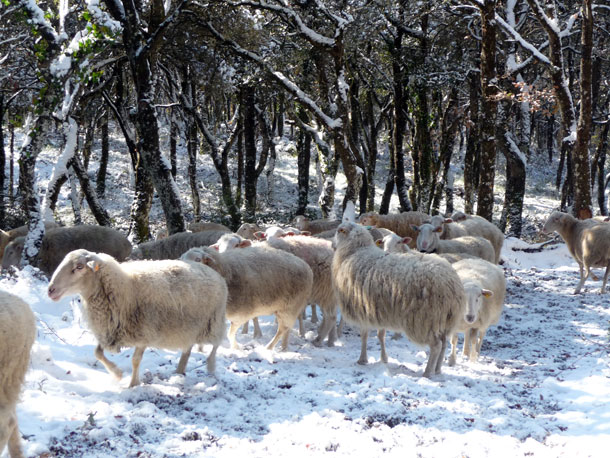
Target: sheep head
[(475, 296), (395, 244), (12, 253), (427, 237), (369, 219), (556, 221), (74, 274), (353, 234)]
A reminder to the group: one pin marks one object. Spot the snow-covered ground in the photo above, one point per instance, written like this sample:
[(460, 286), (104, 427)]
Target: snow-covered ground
[(540, 388)]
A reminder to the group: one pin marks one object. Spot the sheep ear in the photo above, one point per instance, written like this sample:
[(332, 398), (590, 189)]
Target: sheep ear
[(288, 234), (487, 293), (93, 265), (244, 244), (208, 261), (406, 240), (438, 229), (215, 246), (414, 227), (306, 233), (447, 221), (379, 243), (260, 235)]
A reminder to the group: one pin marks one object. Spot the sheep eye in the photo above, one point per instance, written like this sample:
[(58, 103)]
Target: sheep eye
[(79, 266)]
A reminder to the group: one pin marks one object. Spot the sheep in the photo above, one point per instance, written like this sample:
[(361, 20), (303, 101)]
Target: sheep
[(247, 230), (302, 223), (8, 236), (318, 254), (428, 241), (400, 223), (480, 227), (485, 288), (58, 242), (417, 294), (164, 304), (450, 231), (175, 245), (588, 242), (200, 226), (261, 281), (17, 335)]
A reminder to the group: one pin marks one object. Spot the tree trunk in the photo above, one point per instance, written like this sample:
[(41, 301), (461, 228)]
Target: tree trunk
[(193, 148), (2, 161), (485, 202), (11, 165), (303, 161), (372, 151), (173, 145), (472, 156), (98, 211), (250, 154), (100, 181), (582, 179), (601, 163), (384, 206)]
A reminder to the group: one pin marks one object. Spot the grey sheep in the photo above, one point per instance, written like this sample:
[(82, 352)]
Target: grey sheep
[(419, 295), (316, 226), (399, 223), (17, 334), (261, 281), (163, 304), (175, 245), (58, 242), (8, 236), (428, 241), (588, 242), (485, 288)]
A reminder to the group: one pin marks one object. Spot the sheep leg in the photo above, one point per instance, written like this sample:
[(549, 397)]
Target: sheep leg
[(364, 335), (332, 335), (314, 314), (603, 290), (109, 365), (435, 352), (381, 338), (329, 322), (583, 277), (232, 332), (184, 357), (301, 326), (396, 336), (136, 359), (467, 343), (454, 342), (282, 331), (257, 328), (474, 356), (244, 328), (441, 355), (340, 326), (211, 361), (14, 440)]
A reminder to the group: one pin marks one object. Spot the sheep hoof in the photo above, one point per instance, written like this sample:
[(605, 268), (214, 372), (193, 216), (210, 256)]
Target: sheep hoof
[(362, 362), (317, 342)]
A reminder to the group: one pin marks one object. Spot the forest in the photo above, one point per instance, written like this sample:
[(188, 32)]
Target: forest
[(403, 98)]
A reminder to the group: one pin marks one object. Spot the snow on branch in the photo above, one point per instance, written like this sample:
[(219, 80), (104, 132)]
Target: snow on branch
[(309, 34), (36, 18), (523, 42), (279, 77)]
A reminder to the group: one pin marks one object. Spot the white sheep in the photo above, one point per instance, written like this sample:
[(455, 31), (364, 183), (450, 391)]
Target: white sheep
[(247, 230), (478, 226), (428, 241), (261, 281), (318, 254), (59, 241), (163, 304), (485, 288), (316, 226), (17, 334), (173, 246), (587, 240), (450, 230), (400, 223), (419, 295)]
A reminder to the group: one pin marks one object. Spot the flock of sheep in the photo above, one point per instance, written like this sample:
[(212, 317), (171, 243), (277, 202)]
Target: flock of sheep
[(179, 290)]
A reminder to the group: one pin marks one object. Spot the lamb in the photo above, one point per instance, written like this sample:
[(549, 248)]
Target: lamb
[(588, 242), (302, 223), (261, 281), (247, 230), (8, 236), (401, 223), (419, 295), (17, 334), (485, 288), (175, 245), (450, 231), (480, 227), (58, 242), (428, 241), (318, 254), (164, 304)]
